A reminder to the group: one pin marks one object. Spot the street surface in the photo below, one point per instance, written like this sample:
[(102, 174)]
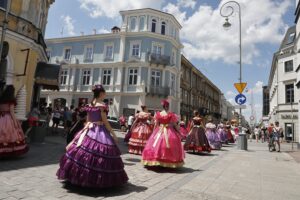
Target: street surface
[(228, 174)]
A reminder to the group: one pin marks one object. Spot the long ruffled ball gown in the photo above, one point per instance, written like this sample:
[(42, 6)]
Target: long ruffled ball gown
[(12, 138), (222, 134), (230, 137), (196, 140), (184, 132), (140, 133), (164, 145), (212, 136), (93, 158)]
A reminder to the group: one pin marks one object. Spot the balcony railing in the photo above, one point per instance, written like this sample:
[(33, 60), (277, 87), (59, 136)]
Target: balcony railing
[(159, 59), (160, 91)]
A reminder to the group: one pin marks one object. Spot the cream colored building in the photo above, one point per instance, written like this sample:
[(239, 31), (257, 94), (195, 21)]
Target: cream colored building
[(25, 35)]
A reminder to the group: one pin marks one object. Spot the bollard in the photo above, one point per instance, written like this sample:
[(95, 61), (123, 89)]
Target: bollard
[(242, 142)]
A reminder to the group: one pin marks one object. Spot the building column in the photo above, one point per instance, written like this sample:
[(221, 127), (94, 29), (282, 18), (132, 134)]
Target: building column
[(126, 79)]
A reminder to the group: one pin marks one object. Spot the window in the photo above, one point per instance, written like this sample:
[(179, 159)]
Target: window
[(48, 53), (288, 66), (109, 52), (142, 23), (163, 28), (67, 55), (86, 76), (173, 57), (291, 38), (88, 53), (155, 78), (136, 50), (173, 82), (63, 76), (157, 49), (153, 27), (3, 4), (132, 23), (289, 93), (106, 77), (133, 75)]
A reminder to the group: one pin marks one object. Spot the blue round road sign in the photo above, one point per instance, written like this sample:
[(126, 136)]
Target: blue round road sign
[(240, 99)]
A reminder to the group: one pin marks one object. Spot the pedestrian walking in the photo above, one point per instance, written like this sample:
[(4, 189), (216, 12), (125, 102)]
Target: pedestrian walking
[(67, 119), (12, 138), (196, 140), (140, 132), (164, 145), (56, 119), (130, 122), (277, 131), (93, 157), (257, 133), (183, 130), (78, 124)]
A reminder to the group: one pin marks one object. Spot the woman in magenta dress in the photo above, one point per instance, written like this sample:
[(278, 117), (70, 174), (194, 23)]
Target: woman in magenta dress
[(230, 137), (196, 140), (12, 138), (140, 132), (222, 133), (93, 158), (164, 145), (183, 130)]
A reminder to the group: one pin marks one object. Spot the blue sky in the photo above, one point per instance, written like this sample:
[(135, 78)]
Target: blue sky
[(209, 47)]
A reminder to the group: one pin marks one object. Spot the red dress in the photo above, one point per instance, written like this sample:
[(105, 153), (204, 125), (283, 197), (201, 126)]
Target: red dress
[(164, 145), (140, 133)]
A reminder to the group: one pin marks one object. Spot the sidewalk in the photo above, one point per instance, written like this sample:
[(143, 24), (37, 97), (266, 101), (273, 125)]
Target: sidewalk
[(247, 175)]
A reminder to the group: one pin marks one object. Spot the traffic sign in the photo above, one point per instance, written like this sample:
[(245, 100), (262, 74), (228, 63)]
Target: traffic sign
[(240, 87), (240, 107), (240, 99)]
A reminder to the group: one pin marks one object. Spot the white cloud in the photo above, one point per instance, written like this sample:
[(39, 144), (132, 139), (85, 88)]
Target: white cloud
[(103, 30), (187, 3), (204, 37), (257, 89), (68, 24), (111, 8), (230, 93)]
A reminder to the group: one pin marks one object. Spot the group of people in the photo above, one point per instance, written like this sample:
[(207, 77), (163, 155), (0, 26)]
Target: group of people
[(93, 158)]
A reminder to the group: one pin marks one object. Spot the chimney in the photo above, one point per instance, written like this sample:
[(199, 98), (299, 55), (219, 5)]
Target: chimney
[(94, 31), (115, 29)]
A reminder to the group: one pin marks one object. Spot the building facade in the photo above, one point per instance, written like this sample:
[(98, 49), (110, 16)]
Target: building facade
[(198, 93), (266, 101), (283, 100), (25, 37), (227, 109), (138, 64)]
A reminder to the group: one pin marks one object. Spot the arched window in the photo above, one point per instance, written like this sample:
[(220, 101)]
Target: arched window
[(142, 23), (132, 24), (153, 27), (163, 28)]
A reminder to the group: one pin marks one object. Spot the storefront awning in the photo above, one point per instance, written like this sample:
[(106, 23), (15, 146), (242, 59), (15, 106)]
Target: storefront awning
[(47, 75)]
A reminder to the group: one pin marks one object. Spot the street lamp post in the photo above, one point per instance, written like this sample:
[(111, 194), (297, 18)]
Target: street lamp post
[(226, 11)]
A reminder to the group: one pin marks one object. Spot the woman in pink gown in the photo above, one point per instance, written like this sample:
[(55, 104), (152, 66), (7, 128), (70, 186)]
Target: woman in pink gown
[(140, 132), (12, 139), (183, 130), (164, 145)]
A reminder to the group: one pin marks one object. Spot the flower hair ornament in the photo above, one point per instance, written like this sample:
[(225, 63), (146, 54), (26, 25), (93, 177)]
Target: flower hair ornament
[(165, 103), (97, 87)]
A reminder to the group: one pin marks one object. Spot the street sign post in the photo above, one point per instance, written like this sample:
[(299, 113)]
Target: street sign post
[(240, 107), (240, 87), (240, 99)]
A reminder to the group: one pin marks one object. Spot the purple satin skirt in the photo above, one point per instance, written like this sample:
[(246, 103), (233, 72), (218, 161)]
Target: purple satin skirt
[(95, 163)]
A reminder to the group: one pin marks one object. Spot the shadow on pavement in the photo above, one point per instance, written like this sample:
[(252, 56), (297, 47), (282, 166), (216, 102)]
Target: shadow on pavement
[(105, 192), (133, 160), (202, 154), (181, 170)]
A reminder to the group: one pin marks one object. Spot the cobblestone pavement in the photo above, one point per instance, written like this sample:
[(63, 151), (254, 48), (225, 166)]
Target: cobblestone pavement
[(225, 174)]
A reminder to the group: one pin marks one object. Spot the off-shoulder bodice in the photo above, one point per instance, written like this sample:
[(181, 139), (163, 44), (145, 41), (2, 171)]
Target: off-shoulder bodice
[(166, 119), (94, 112), (197, 121)]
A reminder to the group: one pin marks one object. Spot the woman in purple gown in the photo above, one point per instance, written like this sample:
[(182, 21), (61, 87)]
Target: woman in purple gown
[(93, 158)]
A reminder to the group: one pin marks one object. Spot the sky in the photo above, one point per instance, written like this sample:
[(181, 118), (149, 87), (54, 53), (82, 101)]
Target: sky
[(211, 48)]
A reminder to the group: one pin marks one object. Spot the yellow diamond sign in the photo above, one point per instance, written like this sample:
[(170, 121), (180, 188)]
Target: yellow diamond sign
[(240, 87)]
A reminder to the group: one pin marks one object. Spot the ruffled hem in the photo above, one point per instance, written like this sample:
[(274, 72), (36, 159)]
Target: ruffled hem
[(138, 150), (162, 164), (13, 152), (198, 149)]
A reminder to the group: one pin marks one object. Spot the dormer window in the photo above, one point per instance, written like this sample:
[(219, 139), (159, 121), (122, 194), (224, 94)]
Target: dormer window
[(132, 23), (163, 28), (153, 27), (142, 23), (291, 38)]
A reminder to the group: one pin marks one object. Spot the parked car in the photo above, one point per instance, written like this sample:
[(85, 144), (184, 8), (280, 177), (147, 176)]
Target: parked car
[(114, 122)]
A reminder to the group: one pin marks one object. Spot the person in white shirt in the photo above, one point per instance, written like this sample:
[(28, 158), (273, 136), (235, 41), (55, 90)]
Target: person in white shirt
[(256, 132), (130, 122)]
